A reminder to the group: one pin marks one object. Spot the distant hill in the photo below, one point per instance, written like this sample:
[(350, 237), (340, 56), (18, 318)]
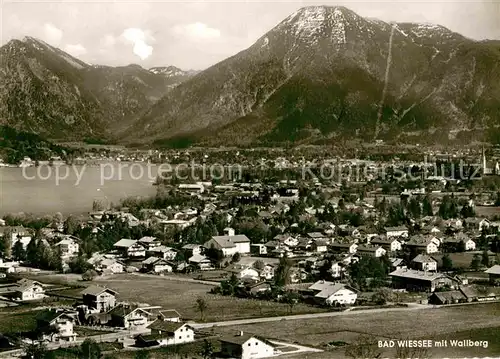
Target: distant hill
[(51, 93)]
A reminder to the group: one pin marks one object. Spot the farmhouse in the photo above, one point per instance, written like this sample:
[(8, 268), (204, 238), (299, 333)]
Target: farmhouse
[(421, 281), (166, 333), (246, 346), (68, 247), (29, 290), (126, 316), (56, 325), (423, 244), (157, 265), (330, 293), (230, 245), (130, 248), (99, 298), (424, 262)]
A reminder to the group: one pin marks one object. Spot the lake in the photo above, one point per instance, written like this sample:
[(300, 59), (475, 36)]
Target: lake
[(72, 189)]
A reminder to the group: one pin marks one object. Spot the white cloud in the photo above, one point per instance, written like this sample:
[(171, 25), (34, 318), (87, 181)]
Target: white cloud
[(52, 34), (75, 49), (197, 30), (139, 39)]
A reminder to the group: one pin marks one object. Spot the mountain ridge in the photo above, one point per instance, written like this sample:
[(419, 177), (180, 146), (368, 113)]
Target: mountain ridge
[(326, 73)]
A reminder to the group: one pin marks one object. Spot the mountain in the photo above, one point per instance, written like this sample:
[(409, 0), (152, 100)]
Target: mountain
[(327, 74), (51, 93)]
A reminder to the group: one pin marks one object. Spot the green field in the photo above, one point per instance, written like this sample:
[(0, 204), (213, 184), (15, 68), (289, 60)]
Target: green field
[(170, 294), (477, 322)]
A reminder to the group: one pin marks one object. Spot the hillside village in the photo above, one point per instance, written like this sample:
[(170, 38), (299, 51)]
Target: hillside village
[(292, 241)]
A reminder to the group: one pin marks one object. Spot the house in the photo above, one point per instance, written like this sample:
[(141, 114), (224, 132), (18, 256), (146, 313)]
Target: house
[(415, 280), (109, 265), (389, 244), (494, 274), (229, 245), (192, 249), (130, 248), (243, 272), (344, 247), (200, 262), (258, 249), (157, 265), (16, 233), (336, 270), (401, 231), (169, 315), (320, 246), (423, 244), (287, 239), (99, 298), (166, 333), (68, 247), (56, 325), (247, 346), (268, 271), (397, 263), (331, 293), (374, 251), (163, 252), (448, 297), (27, 289), (126, 316), (423, 262), (149, 242)]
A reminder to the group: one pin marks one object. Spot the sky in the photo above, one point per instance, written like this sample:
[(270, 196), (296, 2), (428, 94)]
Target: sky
[(198, 34)]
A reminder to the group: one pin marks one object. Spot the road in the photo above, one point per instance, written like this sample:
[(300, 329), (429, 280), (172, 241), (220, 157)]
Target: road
[(228, 323), (298, 348)]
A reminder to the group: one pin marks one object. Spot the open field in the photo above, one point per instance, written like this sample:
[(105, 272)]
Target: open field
[(462, 260), (458, 322), (182, 296)]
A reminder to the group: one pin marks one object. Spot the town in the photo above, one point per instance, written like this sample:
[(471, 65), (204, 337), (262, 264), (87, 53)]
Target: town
[(199, 269)]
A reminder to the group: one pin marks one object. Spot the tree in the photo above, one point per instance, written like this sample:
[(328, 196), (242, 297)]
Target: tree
[(467, 211), (447, 262), (35, 351), (259, 264), (207, 351), (382, 296), (89, 275), (485, 258), (475, 262), (90, 350), (427, 207), (291, 298), (70, 225), (97, 206), (201, 306), (18, 252), (362, 348), (282, 274), (236, 257)]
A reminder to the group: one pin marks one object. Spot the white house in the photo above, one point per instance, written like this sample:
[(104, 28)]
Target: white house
[(424, 263), (68, 247), (230, 244), (59, 323), (389, 244), (401, 231), (375, 251), (126, 316), (131, 248), (330, 293), (29, 290), (247, 346), (167, 333)]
